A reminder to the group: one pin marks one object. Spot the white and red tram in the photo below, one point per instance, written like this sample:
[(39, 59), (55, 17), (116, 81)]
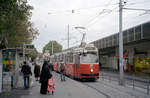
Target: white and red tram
[(80, 62)]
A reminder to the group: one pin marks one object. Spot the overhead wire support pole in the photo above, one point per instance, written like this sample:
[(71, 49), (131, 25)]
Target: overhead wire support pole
[(121, 80)]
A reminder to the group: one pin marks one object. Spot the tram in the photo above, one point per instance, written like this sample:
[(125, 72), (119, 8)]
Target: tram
[(80, 62)]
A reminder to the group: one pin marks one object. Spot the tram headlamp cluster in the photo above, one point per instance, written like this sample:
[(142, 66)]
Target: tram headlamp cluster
[(91, 70)]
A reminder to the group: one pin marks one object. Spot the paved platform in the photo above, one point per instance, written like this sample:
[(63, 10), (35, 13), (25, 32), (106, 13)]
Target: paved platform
[(76, 89), (67, 89)]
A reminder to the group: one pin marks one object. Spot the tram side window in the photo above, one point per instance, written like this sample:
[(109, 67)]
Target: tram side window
[(55, 59), (58, 59), (62, 57), (71, 58), (67, 58)]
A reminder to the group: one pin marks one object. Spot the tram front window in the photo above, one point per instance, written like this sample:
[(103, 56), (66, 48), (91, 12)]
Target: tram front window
[(89, 58)]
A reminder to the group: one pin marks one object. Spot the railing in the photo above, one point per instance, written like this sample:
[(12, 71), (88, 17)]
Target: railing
[(133, 80)]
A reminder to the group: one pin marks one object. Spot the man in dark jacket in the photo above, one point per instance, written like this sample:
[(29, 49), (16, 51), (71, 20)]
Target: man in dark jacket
[(26, 70)]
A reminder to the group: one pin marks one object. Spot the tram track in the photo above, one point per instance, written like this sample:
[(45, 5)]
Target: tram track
[(106, 95)]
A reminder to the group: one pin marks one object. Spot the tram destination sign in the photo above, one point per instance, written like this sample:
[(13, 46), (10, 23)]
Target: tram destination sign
[(28, 46)]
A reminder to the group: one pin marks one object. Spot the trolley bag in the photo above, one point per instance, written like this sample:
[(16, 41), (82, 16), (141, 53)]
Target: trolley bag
[(51, 85)]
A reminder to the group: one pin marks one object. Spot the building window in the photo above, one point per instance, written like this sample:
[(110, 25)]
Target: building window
[(131, 34), (116, 37), (138, 33), (146, 30), (125, 37)]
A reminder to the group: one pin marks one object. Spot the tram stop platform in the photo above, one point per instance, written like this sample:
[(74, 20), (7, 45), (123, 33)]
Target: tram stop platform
[(75, 89), (66, 89)]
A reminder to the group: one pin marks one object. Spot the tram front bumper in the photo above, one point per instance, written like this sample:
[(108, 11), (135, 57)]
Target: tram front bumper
[(96, 76)]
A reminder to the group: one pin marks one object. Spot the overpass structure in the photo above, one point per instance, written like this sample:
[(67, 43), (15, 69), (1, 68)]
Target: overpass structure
[(136, 43)]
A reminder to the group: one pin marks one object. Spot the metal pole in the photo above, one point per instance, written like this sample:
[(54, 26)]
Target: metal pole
[(148, 85), (68, 35), (121, 82), (133, 81)]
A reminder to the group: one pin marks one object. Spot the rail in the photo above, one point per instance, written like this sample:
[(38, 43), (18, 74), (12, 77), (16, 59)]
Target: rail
[(132, 80)]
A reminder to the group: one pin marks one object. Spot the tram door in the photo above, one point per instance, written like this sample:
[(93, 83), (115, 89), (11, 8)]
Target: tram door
[(77, 65)]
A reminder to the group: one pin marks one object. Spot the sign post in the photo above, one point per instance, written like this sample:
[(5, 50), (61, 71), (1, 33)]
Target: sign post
[(27, 47)]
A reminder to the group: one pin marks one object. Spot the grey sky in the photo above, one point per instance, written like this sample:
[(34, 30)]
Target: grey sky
[(51, 17)]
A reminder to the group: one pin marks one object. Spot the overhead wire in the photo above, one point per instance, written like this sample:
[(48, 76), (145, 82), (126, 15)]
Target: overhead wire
[(107, 14), (100, 13), (135, 3), (104, 11), (101, 17), (86, 8), (95, 17), (103, 34)]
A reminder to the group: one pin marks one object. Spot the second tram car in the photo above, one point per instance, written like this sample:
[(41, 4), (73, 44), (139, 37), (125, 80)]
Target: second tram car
[(80, 62)]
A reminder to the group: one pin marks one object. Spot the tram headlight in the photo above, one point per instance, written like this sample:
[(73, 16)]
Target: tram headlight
[(91, 70)]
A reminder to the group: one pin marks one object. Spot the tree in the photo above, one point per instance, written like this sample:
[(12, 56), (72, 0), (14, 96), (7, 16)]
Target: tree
[(56, 47), (33, 54), (15, 25)]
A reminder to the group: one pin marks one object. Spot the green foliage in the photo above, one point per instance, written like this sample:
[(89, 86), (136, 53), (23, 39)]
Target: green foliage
[(32, 53), (56, 47), (15, 23)]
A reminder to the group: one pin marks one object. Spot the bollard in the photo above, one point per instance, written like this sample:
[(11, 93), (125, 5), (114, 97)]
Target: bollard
[(133, 81), (102, 76), (148, 86)]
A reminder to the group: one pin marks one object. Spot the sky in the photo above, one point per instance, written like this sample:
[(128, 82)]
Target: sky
[(100, 18)]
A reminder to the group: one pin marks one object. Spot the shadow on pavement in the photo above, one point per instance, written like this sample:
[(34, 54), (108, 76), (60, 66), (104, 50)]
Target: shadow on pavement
[(15, 93)]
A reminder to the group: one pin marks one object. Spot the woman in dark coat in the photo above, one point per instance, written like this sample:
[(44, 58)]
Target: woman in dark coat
[(45, 75), (37, 72)]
